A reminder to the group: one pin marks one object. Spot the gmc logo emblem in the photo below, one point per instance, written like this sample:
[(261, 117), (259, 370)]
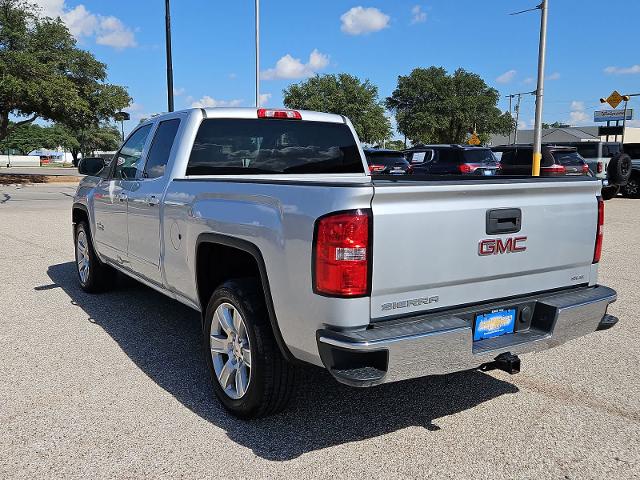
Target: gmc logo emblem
[(497, 246)]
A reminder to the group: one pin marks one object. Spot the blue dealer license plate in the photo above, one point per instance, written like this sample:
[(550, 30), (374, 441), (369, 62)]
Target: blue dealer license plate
[(494, 324)]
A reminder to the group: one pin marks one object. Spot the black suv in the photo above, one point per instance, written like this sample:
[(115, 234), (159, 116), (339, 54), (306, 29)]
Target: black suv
[(390, 162), (556, 160), (452, 160)]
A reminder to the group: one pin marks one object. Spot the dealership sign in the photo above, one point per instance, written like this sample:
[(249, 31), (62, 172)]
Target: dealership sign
[(612, 115)]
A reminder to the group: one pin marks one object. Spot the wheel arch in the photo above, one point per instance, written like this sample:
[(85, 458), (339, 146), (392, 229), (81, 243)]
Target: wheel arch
[(212, 246)]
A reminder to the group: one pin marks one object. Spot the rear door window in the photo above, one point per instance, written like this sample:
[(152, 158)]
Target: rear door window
[(446, 156), (161, 148), (421, 157), (265, 146)]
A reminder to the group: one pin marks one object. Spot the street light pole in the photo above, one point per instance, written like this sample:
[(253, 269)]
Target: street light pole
[(542, 50), (257, 15), (167, 19)]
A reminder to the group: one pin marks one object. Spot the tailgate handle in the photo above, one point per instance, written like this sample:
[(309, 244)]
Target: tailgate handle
[(504, 220)]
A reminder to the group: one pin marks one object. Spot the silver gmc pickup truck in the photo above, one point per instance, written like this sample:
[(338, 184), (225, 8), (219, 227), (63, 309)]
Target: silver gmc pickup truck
[(269, 223)]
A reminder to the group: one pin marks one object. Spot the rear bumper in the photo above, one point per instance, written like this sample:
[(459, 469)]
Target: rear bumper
[(442, 342)]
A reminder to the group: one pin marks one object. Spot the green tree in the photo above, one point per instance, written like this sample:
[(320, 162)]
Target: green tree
[(86, 141), (43, 74), (394, 144), (26, 138), (346, 95), (555, 125), (432, 106)]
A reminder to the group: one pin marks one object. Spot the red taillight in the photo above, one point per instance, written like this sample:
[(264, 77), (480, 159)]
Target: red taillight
[(585, 168), (376, 168), (599, 167), (554, 170), (465, 168), (342, 254), (282, 114), (498, 166), (597, 251)]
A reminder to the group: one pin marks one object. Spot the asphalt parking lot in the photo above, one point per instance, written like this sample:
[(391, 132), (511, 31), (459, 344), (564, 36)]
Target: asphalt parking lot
[(115, 386)]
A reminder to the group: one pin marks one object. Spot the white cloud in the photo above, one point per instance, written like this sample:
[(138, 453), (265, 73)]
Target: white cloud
[(233, 76), (177, 91), (633, 69), (554, 76), (418, 15), (528, 80), (507, 77), (264, 99), (293, 68), (207, 101), (577, 105), (107, 30), (578, 115), (360, 20)]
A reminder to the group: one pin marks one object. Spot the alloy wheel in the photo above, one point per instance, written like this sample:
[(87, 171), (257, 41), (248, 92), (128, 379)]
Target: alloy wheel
[(82, 256), (230, 351)]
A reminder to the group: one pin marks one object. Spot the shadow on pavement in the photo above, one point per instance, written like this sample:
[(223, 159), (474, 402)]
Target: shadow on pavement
[(163, 338)]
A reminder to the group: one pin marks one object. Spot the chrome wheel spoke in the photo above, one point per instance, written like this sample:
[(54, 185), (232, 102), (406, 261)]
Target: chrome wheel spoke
[(228, 371), (225, 319), (219, 344), (242, 380), (238, 324), (246, 356)]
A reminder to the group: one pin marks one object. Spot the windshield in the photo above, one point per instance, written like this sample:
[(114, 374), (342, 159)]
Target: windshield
[(240, 146), (482, 156)]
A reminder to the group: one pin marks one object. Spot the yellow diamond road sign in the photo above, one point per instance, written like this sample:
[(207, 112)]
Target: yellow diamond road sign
[(614, 99), (474, 140)]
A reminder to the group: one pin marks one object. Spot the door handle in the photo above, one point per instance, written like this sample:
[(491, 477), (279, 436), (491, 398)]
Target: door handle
[(152, 200), (122, 197), (504, 220)]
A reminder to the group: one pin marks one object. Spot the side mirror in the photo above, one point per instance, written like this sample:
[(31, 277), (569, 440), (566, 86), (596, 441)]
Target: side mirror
[(91, 166)]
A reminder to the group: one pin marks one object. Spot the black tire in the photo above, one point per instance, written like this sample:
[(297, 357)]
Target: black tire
[(619, 169), (100, 276), (632, 188), (609, 192), (271, 377)]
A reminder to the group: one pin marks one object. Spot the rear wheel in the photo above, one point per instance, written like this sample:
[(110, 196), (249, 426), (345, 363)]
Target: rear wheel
[(609, 192), (632, 188), (94, 276), (250, 376)]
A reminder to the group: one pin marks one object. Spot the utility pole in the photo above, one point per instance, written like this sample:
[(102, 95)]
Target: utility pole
[(517, 110), (257, 53), (510, 110), (542, 51), (167, 19)]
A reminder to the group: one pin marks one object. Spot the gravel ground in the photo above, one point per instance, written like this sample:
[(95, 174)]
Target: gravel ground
[(115, 386)]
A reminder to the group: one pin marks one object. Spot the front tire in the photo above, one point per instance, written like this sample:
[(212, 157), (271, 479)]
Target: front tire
[(250, 376), (93, 275)]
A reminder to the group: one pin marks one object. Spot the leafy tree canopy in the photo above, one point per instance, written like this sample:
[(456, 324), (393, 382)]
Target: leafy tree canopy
[(432, 106), (555, 125), (43, 74), (346, 95), (85, 141)]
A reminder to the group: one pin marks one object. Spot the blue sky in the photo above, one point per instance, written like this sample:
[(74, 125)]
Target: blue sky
[(590, 49)]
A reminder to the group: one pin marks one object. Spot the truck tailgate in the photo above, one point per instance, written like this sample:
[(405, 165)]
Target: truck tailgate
[(432, 249)]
